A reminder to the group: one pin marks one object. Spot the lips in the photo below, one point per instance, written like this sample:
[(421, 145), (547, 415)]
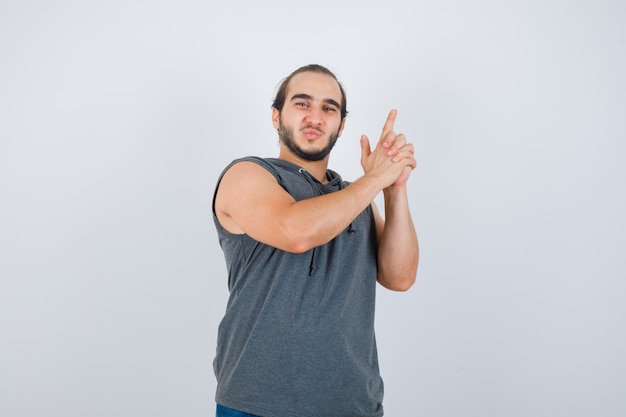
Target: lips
[(312, 133)]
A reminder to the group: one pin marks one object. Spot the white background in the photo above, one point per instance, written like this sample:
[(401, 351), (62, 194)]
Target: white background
[(116, 118)]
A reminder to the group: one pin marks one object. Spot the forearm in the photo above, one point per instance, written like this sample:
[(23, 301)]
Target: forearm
[(398, 252), (315, 221)]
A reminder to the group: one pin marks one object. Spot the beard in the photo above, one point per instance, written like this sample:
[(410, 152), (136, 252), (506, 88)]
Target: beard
[(285, 135)]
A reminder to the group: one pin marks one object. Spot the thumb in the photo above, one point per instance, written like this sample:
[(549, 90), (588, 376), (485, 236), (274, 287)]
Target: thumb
[(366, 150)]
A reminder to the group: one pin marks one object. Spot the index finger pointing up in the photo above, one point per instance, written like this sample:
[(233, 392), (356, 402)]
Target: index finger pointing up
[(391, 119)]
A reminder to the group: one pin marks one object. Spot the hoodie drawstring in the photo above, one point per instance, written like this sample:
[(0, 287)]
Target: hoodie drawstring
[(316, 190)]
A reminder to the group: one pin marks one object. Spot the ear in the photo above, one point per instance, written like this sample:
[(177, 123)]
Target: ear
[(343, 124), (275, 118)]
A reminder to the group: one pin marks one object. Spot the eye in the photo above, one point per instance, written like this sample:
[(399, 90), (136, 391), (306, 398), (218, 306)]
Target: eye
[(329, 109), (301, 104)]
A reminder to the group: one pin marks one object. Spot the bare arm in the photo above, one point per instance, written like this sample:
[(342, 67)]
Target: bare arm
[(249, 200), (398, 249)]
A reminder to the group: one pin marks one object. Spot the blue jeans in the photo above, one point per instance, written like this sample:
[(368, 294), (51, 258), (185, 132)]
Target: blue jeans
[(229, 412)]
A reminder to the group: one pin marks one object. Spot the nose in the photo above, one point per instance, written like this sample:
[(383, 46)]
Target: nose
[(315, 116)]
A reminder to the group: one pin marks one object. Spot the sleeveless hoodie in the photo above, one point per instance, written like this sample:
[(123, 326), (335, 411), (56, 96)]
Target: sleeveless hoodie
[(297, 338)]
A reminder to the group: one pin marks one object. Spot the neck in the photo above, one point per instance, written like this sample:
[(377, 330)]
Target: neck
[(316, 168)]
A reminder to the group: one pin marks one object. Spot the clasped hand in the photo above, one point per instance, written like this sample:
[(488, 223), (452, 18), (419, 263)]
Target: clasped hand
[(392, 159)]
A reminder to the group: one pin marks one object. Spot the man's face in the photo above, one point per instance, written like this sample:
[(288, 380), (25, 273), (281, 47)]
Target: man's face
[(310, 121)]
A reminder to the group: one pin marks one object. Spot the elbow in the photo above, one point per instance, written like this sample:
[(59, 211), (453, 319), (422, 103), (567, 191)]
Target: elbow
[(295, 240), (399, 285), (400, 282), (297, 246), (404, 286)]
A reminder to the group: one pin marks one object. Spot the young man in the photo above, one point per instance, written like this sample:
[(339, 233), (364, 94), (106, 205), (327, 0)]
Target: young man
[(304, 250)]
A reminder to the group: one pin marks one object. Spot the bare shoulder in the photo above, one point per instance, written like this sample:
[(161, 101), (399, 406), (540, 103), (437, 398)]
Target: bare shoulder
[(244, 171), (246, 191)]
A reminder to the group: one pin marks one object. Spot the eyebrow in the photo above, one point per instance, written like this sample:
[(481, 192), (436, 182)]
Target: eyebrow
[(303, 96)]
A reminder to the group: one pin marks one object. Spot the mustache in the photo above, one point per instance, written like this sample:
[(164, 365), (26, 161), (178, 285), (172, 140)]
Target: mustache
[(311, 127)]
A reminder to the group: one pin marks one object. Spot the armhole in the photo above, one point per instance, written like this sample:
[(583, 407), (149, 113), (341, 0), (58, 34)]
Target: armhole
[(257, 160)]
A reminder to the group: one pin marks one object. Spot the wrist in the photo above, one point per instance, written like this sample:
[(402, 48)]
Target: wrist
[(395, 190)]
